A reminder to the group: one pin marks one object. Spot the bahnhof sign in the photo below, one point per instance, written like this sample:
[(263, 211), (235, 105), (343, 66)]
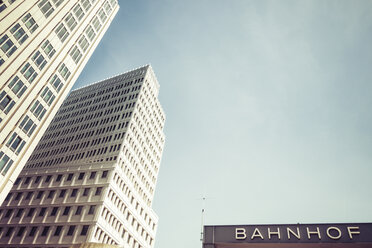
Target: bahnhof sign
[(351, 235)]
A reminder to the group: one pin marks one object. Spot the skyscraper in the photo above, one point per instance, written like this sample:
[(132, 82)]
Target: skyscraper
[(92, 176), (44, 45)]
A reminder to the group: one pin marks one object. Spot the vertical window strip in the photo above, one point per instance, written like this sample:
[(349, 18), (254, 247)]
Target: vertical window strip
[(62, 32), (30, 23), (46, 8), (19, 33), (17, 86), (27, 125), (83, 43), (75, 54), (48, 49), (5, 163), (56, 82), (7, 45), (78, 11), (70, 21), (64, 71)]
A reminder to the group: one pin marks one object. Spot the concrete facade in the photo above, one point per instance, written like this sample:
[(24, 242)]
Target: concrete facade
[(44, 45), (92, 176)]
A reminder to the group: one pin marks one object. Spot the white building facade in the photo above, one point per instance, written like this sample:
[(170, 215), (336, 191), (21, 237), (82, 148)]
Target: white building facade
[(44, 45), (92, 176)]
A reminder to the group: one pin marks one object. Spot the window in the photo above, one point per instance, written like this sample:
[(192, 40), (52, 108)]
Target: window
[(63, 70), (86, 191), (5, 164), (8, 213), (15, 143), (51, 194), (21, 231), (54, 211), (66, 211), (27, 181), (104, 174), (98, 191), (78, 11), (86, 5), (102, 15), (28, 196), (8, 196), (57, 2), (45, 231), (30, 212), (5, 100), (62, 193), (38, 178), (59, 177), (107, 8), (92, 175), (40, 194), (46, 8), (56, 83), (17, 181), (20, 212), (30, 23), (69, 177), (19, 33), (32, 231), (28, 127), (18, 196), (17, 86), (75, 54), (9, 232), (113, 2), (48, 49), (81, 176), (78, 210), (58, 231), (6, 103), (74, 192), (39, 60), (7, 46), (42, 211), (61, 32), (70, 21), (83, 43), (84, 230), (2, 6), (48, 96), (71, 231), (91, 209), (96, 24), (38, 110), (47, 179), (29, 72), (90, 33)]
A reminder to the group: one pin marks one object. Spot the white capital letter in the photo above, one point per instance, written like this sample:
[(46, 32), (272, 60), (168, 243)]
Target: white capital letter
[(274, 233), (333, 228), (313, 232), (240, 233), (256, 233), (297, 235), (349, 229)]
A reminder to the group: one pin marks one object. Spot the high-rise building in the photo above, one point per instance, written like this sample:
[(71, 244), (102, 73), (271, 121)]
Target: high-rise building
[(92, 176), (44, 45)]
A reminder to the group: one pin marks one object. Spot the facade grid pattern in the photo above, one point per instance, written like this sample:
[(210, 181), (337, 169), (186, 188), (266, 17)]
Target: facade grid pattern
[(92, 176)]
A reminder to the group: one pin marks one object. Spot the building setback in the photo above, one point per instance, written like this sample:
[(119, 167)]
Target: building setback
[(92, 176), (44, 45)]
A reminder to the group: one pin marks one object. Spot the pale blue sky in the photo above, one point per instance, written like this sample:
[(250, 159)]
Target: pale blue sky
[(268, 107)]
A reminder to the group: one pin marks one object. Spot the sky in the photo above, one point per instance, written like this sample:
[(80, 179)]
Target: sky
[(267, 103)]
